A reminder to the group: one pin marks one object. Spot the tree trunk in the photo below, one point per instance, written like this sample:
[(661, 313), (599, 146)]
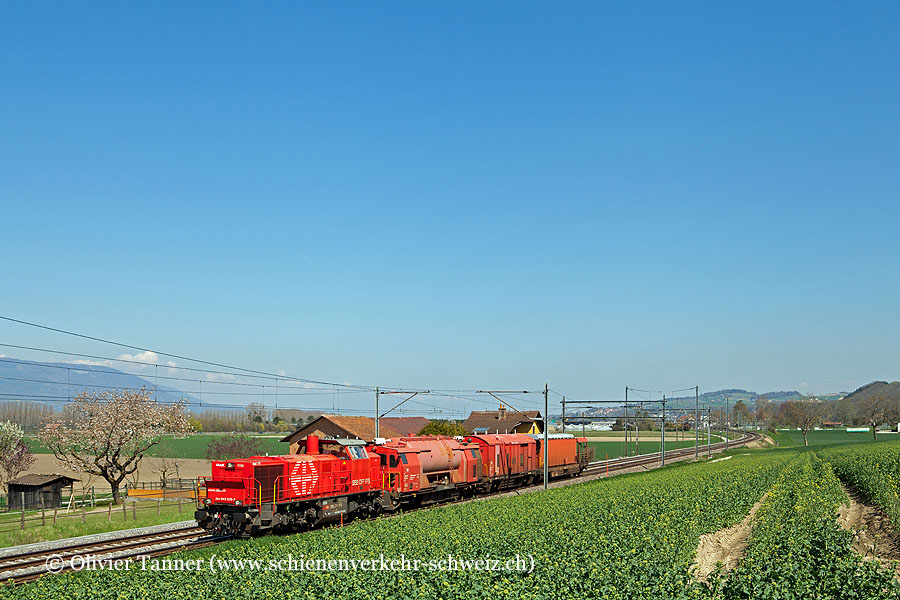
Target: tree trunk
[(805, 441), (874, 432), (114, 485)]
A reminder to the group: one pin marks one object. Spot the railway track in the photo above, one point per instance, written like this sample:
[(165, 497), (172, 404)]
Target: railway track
[(620, 464), (29, 566)]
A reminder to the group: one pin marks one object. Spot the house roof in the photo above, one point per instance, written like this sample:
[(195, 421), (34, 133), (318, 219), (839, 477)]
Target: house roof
[(364, 427), (491, 420), (34, 480), (407, 426)]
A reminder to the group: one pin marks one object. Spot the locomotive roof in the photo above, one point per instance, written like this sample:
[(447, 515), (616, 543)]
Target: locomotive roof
[(345, 441), (552, 436)]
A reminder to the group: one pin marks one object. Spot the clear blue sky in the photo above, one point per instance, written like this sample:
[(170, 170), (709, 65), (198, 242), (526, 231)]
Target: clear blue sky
[(462, 195)]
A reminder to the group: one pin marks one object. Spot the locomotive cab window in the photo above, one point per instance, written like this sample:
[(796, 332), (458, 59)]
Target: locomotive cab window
[(356, 452), (394, 462), (383, 458), (403, 458)]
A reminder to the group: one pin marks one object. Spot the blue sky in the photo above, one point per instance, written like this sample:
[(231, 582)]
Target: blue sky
[(462, 196)]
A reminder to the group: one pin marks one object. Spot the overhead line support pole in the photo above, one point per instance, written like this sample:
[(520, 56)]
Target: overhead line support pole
[(696, 422), (377, 394), (662, 451), (564, 414), (546, 429), (726, 422), (625, 421)]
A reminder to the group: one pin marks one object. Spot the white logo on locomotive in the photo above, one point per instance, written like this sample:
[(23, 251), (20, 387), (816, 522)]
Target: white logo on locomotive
[(304, 477)]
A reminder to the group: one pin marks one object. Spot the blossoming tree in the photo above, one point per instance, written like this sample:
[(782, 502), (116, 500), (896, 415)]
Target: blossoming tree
[(107, 433)]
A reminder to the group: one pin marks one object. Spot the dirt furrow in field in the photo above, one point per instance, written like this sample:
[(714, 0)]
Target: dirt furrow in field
[(874, 536), (726, 546)]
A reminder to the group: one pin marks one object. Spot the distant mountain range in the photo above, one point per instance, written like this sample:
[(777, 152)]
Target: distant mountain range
[(55, 383), (878, 389)]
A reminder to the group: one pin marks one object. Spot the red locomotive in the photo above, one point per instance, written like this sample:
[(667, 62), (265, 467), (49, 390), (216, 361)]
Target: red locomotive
[(329, 479)]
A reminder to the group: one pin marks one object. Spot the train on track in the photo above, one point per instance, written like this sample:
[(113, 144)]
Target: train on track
[(330, 480)]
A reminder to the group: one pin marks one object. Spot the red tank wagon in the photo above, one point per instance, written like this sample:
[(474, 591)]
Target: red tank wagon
[(427, 469)]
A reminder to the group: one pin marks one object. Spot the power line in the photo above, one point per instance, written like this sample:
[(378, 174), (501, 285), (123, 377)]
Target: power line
[(181, 357), (145, 376), (242, 372), (51, 399), (318, 392)]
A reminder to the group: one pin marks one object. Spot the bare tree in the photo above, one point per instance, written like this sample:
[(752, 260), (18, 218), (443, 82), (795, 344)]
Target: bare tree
[(15, 461), (875, 410), (803, 414), (763, 410), (108, 432), (256, 412), (740, 413), (166, 467)]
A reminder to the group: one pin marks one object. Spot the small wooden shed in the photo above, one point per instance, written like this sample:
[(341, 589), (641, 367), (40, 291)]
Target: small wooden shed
[(31, 489)]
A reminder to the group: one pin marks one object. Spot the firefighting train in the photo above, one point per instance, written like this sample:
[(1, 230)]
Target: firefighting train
[(330, 480)]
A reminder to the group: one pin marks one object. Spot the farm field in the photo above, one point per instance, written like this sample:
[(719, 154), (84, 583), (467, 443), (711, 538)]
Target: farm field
[(192, 446), (646, 434), (632, 536), (827, 437), (797, 550), (872, 470), (642, 546), (615, 449)]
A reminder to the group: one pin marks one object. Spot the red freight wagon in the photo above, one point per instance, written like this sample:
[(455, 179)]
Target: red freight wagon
[(566, 454), (508, 459)]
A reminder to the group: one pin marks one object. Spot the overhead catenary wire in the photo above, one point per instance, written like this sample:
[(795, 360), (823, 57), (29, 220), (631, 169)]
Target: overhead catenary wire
[(181, 357), (214, 375)]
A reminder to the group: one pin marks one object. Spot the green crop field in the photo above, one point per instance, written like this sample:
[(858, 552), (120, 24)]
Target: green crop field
[(615, 449), (827, 436), (192, 446)]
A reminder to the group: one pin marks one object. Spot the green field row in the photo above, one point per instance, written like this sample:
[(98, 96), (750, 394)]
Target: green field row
[(193, 446), (616, 449), (827, 436)]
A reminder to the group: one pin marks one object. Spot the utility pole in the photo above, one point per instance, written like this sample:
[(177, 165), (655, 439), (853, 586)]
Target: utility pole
[(637, 426), (696, 422), (726, 422), (564, 415), (546, 429), (625, 422), (708, 432), (663, 445), (377, 412)]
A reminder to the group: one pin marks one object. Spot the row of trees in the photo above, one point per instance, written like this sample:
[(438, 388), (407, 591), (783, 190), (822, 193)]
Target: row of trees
[(253, 418), (809, 412), (30, 416)]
